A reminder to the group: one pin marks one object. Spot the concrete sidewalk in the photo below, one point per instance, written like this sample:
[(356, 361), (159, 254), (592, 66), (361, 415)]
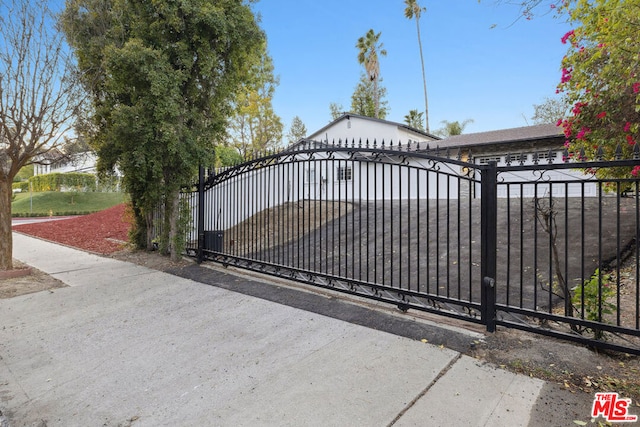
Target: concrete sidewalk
[(126, 345)]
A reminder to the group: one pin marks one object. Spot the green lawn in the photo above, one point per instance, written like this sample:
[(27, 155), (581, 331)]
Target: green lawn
[(56, 203)]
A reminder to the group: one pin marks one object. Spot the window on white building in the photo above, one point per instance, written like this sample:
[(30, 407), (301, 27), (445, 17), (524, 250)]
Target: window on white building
[(344, 173), (486, 160)]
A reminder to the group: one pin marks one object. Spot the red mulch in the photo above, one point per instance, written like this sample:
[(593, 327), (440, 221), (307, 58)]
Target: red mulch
[(103, 232)]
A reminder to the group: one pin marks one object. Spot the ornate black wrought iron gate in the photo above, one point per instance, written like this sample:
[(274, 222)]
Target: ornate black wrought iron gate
[(416, 229)]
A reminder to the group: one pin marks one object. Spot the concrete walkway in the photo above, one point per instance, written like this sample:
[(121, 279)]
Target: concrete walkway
[(125, 345)]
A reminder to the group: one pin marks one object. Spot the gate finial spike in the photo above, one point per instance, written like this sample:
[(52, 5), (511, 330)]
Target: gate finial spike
[(599, 153), (618, 153), (565, 155), (508, 159), (359, 142), (636, 152), (375, 143)]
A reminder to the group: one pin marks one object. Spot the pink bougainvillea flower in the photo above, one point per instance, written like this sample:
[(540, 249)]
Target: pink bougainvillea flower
[(636, 171), (636, 87), (582, 133), (630, 140), (627, 127), (566, 36), (602, 115), (559, 122)]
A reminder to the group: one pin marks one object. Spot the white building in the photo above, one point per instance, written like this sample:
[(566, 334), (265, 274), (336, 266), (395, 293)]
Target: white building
[(58, 162), (352, 127)]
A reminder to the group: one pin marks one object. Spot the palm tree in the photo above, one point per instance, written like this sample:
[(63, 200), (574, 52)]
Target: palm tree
[(413, 10), (453, 128), (414, 119), (369, 48)]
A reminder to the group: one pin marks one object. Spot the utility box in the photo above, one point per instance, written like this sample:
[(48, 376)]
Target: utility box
[(213, 240)]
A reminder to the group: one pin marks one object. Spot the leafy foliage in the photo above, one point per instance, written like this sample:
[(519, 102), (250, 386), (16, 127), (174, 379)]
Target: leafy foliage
[(297, 130), (255, 127), (549, 111), (593, 299), (227, 156), (601, 79), (453, 128), (369, 49), (162, 76), (368, 99), (414, 119), (336, 110), (58, 181)]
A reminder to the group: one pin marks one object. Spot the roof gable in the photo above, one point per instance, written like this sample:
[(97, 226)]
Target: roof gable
[(348, 116)]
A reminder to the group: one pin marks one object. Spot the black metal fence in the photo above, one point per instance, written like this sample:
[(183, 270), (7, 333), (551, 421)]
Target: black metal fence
[(540, 247)]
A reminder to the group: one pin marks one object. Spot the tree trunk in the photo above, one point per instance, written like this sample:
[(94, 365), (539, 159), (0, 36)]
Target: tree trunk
[(424, 79), (174, 199), (6, 239), (149, 230), (375, 97)]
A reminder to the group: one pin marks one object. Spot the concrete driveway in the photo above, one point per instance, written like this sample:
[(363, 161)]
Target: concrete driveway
[(125, 345)]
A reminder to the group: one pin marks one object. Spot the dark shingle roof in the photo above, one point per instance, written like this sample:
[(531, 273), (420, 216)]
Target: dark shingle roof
[(503, 136)]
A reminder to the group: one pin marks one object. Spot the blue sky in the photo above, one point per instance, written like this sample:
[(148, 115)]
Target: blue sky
[(490, 75)]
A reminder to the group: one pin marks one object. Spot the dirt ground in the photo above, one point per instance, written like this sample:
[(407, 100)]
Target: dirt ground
[(37, 281)]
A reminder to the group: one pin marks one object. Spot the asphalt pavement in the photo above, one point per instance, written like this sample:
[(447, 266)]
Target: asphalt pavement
[(125, 345)]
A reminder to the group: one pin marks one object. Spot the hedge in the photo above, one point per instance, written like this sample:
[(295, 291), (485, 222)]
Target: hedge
[(63, 181), (23, 186)]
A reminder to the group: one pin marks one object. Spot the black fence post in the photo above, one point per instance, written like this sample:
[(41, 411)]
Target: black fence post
[(200, 214), (488, 225)]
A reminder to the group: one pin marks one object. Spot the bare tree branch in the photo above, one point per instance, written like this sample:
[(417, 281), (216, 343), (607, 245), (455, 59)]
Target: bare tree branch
[(39, 96)]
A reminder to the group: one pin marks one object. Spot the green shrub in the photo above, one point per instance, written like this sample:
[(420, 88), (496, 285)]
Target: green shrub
[(23, 186), (63, 181), (594, 299)]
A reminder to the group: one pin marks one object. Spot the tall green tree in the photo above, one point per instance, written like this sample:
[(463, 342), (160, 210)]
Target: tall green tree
[(227, 155), (414, 119), (297, 131), (368, 99), (452, 128), (411, 11), (601, 79), (38, 97), (255, 127), (163, 76), (370, 48)]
